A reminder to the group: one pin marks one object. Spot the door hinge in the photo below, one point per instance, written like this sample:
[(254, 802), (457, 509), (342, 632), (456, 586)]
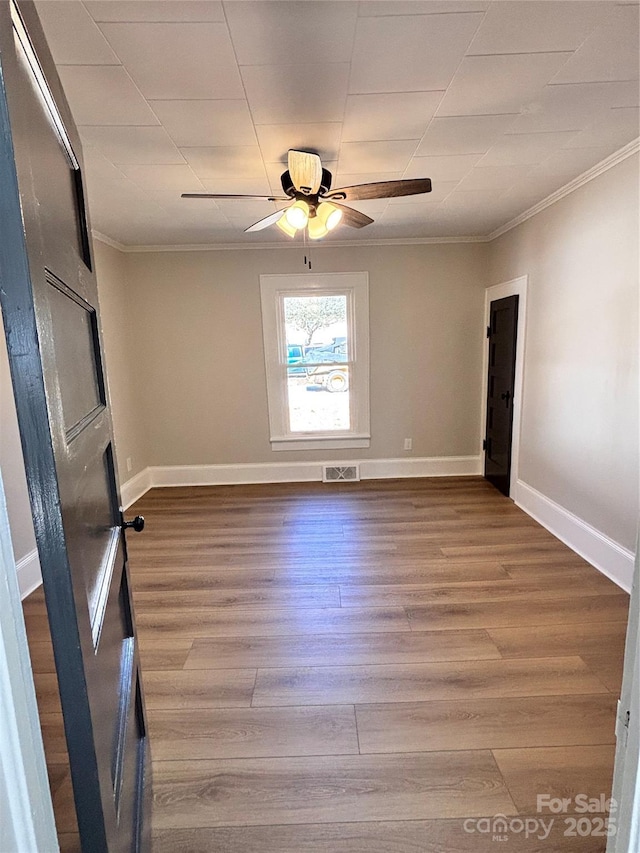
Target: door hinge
[(484, 443), (488, 331), (622, 723)]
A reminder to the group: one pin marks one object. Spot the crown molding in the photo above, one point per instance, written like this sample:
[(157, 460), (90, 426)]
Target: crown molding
[(108, 241), (617, 157), (243, 247)]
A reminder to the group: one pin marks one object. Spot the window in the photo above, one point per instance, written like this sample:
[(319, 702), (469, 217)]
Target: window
[(316, 346)]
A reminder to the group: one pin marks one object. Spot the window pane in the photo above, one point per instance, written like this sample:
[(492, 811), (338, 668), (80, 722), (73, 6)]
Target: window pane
[(315, 324), (317, 369), (318, 398)]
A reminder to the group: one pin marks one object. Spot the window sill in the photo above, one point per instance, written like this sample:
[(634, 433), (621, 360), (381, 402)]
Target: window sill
[(342, 442)]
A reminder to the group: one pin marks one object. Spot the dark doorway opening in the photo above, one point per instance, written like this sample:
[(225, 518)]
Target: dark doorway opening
[(502, 337)]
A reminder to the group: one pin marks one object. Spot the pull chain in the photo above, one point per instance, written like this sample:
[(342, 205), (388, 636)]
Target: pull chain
[(307, 257)]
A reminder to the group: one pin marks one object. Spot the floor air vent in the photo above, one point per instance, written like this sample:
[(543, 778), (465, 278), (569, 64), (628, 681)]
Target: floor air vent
[(334, 473)]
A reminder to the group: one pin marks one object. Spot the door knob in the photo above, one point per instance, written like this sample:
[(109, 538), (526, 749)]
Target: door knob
[(137, 524), (506, 396)]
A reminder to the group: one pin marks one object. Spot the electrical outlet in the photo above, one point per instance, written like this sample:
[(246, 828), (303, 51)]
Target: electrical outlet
[(408, 443), (129, 463)]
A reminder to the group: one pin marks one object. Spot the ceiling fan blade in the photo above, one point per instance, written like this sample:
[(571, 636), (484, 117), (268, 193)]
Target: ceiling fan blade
[(354, 218), (223, 195), (381, 189), (305, 170), (264, 223)]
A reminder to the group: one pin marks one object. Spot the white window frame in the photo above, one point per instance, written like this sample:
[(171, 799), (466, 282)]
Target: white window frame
[(273, 290)]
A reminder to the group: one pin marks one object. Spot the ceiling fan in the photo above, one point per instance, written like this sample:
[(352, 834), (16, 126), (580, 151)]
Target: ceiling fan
[(316, 207)]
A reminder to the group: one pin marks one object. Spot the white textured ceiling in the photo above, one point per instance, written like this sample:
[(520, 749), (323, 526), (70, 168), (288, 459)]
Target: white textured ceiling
[(500, 103)]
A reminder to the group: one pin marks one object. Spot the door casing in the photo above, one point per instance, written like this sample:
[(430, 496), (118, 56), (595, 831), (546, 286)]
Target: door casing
[(626, 775), (27, 821)]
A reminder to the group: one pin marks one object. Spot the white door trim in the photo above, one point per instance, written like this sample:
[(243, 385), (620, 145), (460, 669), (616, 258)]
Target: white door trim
[(26, 813), (515, 287), (626, 774)]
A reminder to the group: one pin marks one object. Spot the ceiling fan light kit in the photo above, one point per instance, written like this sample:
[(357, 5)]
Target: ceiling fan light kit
[(316, 229), (329, 214), (318, 222), (284, 226), (298, 214), (315, 205)]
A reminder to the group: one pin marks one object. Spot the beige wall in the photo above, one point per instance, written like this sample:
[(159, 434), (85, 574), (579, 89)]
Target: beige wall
[(579, 443), (119, 337), (199, 354), (12, 464)]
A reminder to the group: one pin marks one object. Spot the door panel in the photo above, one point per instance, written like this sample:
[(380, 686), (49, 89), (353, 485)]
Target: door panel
[(503, 325), (74, 333), (50, 310)]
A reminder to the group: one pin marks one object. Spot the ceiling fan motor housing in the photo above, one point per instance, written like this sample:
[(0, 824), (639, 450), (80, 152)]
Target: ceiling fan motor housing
[(290, 190)]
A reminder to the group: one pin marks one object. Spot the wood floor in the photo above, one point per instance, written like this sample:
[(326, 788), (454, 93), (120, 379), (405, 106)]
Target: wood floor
[(361, 668)]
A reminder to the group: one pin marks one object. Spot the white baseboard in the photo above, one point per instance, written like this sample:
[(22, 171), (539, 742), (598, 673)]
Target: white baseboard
[(221, 475), (293, 472), (135, 488), (612, 559), (29, 574), (426, 466)]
